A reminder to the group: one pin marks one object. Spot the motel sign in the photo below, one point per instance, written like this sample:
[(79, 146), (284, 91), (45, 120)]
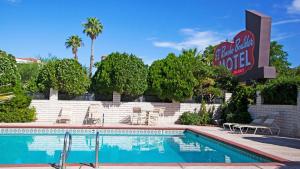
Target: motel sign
[(247, 55)]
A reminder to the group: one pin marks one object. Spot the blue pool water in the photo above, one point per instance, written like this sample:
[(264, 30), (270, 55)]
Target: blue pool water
[(187, 147)]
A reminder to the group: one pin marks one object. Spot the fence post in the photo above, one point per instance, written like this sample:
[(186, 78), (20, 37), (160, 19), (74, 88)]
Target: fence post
[(298, 112), (258, 98), (53, 95), (227, 97), (116, 98)]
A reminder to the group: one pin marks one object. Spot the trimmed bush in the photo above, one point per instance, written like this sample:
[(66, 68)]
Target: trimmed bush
[(172, 78), (66, 76), (120, 72), (282, 91)]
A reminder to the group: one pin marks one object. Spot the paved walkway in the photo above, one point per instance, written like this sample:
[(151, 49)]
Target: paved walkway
[(287, 148)]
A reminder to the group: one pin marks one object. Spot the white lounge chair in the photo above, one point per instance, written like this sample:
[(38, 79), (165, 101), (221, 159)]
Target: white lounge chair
[(64, 116), (259, 120), (268, 125)]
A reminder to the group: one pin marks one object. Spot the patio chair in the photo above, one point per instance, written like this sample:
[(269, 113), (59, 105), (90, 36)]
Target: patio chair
[(94, 114), (134, 117), (64, 115), (267, 125), (154, 116)]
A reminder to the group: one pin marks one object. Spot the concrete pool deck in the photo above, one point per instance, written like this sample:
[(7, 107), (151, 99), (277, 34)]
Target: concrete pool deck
[(283, 147)]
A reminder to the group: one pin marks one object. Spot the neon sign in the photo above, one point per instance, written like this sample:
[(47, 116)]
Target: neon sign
[(236, 56)]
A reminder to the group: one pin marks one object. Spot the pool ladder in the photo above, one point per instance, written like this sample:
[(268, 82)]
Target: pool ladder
[(97, 150), (66, 150)]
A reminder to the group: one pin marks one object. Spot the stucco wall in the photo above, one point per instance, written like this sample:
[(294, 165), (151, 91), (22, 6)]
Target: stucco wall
[(115, 112), (288, 119)]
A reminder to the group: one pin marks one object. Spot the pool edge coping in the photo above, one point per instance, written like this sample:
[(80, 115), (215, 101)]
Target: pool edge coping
[(278, 161)]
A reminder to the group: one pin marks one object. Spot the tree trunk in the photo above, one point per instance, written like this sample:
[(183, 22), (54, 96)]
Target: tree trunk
[(74, 50), (91, 59)]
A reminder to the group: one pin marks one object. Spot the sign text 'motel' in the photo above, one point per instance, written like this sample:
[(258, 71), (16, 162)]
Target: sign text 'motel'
[(247, 56), (237, 56)]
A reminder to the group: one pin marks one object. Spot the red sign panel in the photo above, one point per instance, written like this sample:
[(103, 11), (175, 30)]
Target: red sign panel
[(238, 55)]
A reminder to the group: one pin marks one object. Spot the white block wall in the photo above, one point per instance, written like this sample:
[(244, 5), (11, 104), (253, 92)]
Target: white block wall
[(288, 119), (48, 110)]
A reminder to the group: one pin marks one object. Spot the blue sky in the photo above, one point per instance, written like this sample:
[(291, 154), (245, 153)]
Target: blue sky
[(149, 29)]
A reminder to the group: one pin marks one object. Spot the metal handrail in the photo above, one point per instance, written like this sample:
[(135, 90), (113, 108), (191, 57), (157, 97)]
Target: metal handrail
[(103, 119), (97, 150), (66, 150)]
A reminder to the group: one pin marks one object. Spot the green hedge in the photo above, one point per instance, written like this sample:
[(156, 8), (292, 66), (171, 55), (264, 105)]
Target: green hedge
[(282, 91), (18, 115)]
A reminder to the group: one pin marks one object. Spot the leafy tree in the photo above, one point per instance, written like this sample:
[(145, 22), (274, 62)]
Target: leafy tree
[(121, 72), (8, 69), (208, 55), (74, 42), (278, 58), (66, 76), (92, 28), (29, 73), (14, 102), (47, 78), (172, 78)]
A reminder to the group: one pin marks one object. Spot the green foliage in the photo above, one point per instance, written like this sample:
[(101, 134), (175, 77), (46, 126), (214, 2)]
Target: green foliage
[(8, 69), (120, 72), (236, 110), (18, 115), (66, 76), (29, 73), (172, 78), (74, 42), (282, 90), (208, 55), (189, 118), (46, 78), (202, 117), (17, 109), (278, 58), (92, 28)]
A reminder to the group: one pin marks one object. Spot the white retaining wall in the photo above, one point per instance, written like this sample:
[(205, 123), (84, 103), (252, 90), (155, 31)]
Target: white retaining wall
[(115, 112), (288, 119)]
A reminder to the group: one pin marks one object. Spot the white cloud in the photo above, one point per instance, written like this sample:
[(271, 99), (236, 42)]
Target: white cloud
[(286, 22), (193, 39), (13, 1), (281, 36), (294, 7)]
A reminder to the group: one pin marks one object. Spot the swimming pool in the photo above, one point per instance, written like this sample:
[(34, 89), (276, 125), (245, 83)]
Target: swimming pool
[(43, 146)]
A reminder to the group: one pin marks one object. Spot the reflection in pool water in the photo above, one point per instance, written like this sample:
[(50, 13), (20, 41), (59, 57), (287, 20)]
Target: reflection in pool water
[(24, 149)]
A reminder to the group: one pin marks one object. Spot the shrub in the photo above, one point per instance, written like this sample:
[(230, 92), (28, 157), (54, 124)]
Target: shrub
[(17, 109), (189, 118), (8, 68), (18, 115), (202, 117), (172, 78), (120, 72), (236, 110), (66, 76), (282, 90)]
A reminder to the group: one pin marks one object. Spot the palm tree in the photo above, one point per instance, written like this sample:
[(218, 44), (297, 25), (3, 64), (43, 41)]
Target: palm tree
[(92, 28), (75, 42)]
